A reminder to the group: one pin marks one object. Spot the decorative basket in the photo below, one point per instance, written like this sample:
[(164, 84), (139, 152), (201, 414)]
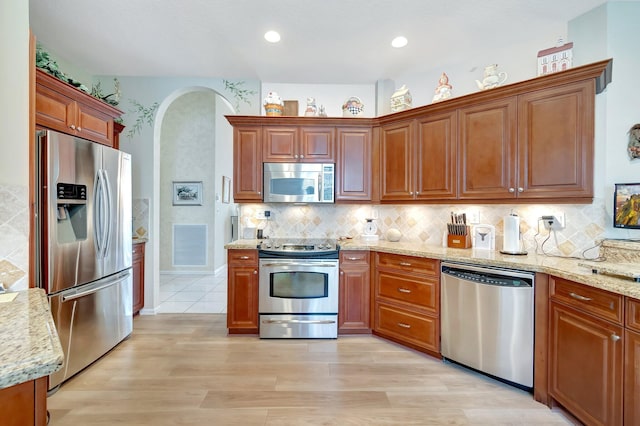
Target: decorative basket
[(352, 107), (273, 109)]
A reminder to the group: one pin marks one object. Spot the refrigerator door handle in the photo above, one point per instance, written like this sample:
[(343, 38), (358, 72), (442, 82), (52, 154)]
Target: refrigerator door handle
[(101, 214), (100, 285), (109, 209)]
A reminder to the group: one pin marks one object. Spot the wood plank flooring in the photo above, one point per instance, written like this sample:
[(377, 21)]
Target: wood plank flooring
[(183, 369)]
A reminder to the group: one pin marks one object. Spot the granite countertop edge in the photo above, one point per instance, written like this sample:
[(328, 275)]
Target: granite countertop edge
[(567, 268), (32, 351)]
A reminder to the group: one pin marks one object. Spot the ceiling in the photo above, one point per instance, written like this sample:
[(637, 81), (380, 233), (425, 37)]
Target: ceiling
[(323, 41)]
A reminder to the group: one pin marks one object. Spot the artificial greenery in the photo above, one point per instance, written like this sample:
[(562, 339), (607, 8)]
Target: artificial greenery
[(240, 94), (112, 98), (145, 115), (46, 63)]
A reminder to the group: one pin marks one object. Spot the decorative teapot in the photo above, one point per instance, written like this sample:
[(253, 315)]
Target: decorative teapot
[(492, 78)]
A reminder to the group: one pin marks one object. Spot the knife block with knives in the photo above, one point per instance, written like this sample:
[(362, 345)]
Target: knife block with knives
[(459, 233)]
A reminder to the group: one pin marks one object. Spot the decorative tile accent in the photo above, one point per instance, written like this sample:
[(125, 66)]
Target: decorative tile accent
[(140, 210), (14, 237)]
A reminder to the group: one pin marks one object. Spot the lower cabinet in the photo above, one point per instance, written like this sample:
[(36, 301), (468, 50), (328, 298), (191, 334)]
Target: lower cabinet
[(632, 363), (138, 276), (24, 404), (586, 352), (242, 291), (355, 290), (407, 301)]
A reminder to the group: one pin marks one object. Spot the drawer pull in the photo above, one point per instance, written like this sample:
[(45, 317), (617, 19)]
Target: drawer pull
[(405, 264), (615, 337), (403, 325), (578, 297), (352, 258), (244, 257), (404, 290)]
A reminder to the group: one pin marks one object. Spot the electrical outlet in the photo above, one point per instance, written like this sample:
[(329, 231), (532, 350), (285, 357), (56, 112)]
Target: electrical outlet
[(473, 216), (553, 222), (260, 214)]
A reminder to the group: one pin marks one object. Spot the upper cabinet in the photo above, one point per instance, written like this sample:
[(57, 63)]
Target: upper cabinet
[(62, 107), (531, 141), (303, 144), (247, 164)]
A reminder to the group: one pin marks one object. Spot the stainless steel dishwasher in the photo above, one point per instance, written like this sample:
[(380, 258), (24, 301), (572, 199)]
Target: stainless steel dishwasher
[(487, 321)]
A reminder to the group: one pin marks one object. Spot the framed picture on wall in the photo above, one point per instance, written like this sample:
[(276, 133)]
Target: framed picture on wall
[(187, 193), (226, 189)]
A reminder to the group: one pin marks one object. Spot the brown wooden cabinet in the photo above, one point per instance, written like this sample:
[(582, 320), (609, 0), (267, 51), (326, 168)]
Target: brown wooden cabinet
[(247, 164), (298, 144), (354, 164), (396, 162), (242, 289), (24, 404), (586, 352), (355, 293), (62, 107), (632, 364), (407, 301), (137, 264)]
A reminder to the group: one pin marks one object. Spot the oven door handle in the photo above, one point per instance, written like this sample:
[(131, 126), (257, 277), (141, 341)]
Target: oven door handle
[(294, 321), (321, 265)]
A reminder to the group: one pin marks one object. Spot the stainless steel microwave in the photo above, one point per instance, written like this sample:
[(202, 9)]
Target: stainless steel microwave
[(299, 183)]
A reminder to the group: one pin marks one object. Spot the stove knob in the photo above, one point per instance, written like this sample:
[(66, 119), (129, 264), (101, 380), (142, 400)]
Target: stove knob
[(267, 245), (276, 245)]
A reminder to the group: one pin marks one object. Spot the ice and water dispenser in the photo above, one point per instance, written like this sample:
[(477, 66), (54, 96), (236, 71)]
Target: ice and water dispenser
[(72, 220)]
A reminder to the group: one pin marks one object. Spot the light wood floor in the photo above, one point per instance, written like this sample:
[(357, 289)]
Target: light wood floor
[(183, 369)]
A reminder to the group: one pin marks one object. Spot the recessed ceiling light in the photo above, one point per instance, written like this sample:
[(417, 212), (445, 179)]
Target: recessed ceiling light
[(272, 36), (399, 41)]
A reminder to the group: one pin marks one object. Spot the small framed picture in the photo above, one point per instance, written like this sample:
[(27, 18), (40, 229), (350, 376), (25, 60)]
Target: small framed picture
[(226, 189), (187, 193)]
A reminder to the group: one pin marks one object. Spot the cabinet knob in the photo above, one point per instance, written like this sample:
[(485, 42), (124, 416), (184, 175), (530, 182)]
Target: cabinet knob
[(259, 192), (301, 156), (255, 272), (615, 337), (295, 156), (341, 272), (410, 192), (512, 190), (520, 189), (73, 126)]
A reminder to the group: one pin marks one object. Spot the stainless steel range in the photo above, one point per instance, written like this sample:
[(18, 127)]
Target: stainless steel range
[(298, 288)]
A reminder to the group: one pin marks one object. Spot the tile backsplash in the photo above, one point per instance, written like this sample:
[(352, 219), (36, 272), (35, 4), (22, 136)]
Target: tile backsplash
[(140, 211), (14, 237), (426, 224)]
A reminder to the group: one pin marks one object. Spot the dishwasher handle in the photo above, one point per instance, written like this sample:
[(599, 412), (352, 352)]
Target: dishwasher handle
[(488, 276)]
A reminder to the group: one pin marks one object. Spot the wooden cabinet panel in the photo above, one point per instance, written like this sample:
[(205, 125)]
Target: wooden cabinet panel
[(247, 166), (353, 166), (94, 125), (298, 144), (632, 378), (24, 404), (317, 144), (592, 300), (633, 314), (586, 365), (396, 155), (555, 141), (406, 326), (242, 298), (403, 263), (436, 170), (487, 150), (421, 292), (354, 310), (54, 110), (137, 264), (280, 144)]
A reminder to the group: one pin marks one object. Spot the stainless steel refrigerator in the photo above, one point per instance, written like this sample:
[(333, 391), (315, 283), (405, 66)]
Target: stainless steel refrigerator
[(84, 246)]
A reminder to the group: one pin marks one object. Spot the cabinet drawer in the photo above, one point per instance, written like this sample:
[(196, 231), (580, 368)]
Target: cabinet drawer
[(598, 302), (138, 249), (419, 292), (633, 314), (419, 265), (354, 257), (420, 330), (242, 257)]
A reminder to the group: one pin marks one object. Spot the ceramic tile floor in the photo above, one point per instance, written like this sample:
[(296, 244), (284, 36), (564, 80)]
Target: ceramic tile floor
[(194, 294)]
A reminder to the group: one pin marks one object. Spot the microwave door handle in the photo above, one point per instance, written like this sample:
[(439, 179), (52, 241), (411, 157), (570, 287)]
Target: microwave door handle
[(319, 186)]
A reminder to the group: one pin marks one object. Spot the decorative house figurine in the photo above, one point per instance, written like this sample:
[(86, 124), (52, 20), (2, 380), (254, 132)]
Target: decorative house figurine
[(273, 105), (492, 78), (401, 99), (312, 109), (352, 107), (554, 59), (443, 91)]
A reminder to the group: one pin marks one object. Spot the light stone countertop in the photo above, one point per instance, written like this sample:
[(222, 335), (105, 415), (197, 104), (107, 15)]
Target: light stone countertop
[(556, 266), (29, 343)]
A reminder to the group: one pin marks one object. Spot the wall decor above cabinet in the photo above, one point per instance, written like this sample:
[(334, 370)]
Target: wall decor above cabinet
[(530, 141)]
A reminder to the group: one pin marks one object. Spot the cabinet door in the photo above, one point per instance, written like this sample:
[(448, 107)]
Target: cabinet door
[(242, 299), (353, 165), (137, 264), (436, 172), (487, 150), (55, 110), (397, 156), (632, 378), (280, 144), (586, 365), (555, 142), (353, 312), (94, 125), (317, 144), (247, 167)]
